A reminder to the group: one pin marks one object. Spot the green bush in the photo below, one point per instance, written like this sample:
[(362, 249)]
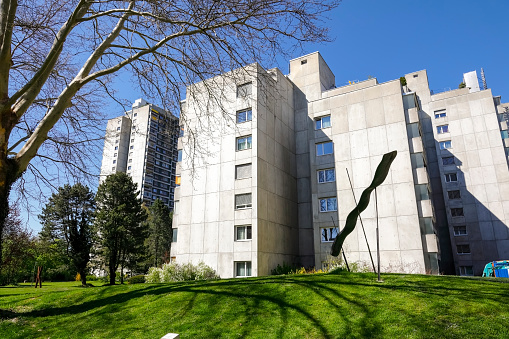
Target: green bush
[(285, 269), (402, 80), (185, 272), (92, 277), (137, 279)]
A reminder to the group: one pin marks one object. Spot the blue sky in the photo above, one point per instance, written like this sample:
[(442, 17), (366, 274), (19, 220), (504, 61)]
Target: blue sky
[(387, 39)]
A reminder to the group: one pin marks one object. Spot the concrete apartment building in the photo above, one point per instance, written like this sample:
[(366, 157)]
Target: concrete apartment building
[(282, 159), (143, 144)]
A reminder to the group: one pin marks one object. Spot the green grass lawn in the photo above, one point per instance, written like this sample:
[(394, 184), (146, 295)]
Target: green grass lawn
[(296, 306)]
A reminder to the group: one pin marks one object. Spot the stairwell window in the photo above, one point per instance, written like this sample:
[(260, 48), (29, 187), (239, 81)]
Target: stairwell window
[(445, 144), (457, 212), (322, 122), (324, 148), (440, 114), (244, 115), (243, 269), (443, 129), (244, 143), (504, 134), (243, 201), (454, 194), (466, 270), (463, 249), (328, 234), (451, 177), (460, 230), (328, 204), (326, 175), (243, 171), (244, 90), (447, 161), (243, 233)]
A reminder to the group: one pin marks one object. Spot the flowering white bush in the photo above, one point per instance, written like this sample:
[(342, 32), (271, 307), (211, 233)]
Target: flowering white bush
[(175, 272)]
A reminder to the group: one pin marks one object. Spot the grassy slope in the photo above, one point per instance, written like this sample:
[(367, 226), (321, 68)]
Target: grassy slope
[(303, 306)]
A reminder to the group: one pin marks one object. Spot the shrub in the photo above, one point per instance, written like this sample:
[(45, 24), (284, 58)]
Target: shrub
[(174, 272), (137, 279), (154, 275), (402, 80), (285, 269)]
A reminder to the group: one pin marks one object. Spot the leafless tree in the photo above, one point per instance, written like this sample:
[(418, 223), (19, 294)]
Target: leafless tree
[(57, 57)]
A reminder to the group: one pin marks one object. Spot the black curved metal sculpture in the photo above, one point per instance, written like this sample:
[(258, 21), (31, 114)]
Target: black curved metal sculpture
[(351, 220)]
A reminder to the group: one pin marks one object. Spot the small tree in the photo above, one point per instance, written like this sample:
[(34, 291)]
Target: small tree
[(68, 216), (160, 232), (18, 250), (120, 222)]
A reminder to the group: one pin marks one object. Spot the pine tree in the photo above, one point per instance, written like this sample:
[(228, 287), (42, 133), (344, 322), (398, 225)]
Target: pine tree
[(160, 230), (68, 219), (120, 222)]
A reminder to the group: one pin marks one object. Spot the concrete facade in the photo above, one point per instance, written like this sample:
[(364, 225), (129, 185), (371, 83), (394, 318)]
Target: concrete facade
[(305, 152), (143, 144)]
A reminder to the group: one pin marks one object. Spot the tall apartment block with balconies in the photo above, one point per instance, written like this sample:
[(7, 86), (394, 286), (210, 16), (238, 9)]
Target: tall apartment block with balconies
[(269, 175), (143, 144)]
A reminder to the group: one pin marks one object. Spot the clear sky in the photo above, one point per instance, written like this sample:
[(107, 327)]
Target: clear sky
[(388, 39)]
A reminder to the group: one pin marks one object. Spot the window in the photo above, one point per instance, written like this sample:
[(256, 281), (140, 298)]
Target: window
[(505, 134), (175, 207), (451, 177), (409, 101), (463, 249), (421, 192), (460, 230), (114, 154), (244, 115), (130, 160), (135, 114), (174, 235), (457, 212), (243, 201), (466, 270), (448, 161), (129, 168), (322, 122), (244, 90), (113, 168), (328, 234), (181, 133), (118, 128), (324, 148), (244, 143), (440, 114), (413, 130), (116, 148), (130, 154), (303, 62), (114, 161), (445, 144), (243, 232), (116, 141), (132, 147), (132, 140), (442, 129), (177, 180), (243, 269), (326, 175), (243, 171), (328, 204), (417, 160), (454, 194), (179, 155)]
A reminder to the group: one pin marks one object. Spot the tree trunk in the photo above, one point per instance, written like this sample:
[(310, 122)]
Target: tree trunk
[(83, 275), (8, 175), (112, 274)]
